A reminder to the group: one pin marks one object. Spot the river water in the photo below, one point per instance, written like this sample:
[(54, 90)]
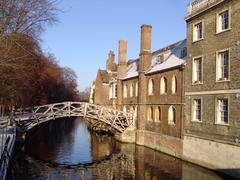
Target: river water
[(66, 150)]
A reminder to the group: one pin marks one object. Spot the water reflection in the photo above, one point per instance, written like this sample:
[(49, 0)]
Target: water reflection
[(70, 144)]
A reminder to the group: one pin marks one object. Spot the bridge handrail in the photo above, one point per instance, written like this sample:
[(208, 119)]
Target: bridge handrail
[(119, 120), (81, 103)]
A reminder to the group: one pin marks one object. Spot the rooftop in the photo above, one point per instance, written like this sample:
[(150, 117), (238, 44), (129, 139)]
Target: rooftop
[(198, 6), (162, 59)]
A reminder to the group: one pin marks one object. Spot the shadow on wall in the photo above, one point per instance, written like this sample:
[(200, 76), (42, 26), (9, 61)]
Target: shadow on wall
[(231, 172)]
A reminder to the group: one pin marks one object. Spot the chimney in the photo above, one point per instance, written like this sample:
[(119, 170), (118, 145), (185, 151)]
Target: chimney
[(110, 61), (144, 64), (122, 58), (145, 49), (122, 69)]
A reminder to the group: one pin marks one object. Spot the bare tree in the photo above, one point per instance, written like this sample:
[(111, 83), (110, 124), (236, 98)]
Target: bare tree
[(21, 22), (85, 95), (26, 16)]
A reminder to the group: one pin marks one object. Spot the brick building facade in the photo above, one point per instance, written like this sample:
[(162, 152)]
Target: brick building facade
[(212, 84), (186, 95), (151, 88)]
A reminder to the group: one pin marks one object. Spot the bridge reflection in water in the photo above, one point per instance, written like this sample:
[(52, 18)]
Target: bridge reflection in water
[(66, 147)]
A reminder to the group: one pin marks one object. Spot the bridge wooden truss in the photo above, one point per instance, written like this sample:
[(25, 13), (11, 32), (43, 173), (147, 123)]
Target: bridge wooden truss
[(103, 117)]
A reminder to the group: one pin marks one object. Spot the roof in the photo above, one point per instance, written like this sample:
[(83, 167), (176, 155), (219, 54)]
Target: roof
[(174, 58), (171, 58), (132, 69)]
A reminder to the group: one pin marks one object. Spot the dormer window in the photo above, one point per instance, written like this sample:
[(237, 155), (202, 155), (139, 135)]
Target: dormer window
[(160, 58)]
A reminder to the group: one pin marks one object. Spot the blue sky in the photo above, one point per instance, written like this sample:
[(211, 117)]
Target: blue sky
[(88, 29)]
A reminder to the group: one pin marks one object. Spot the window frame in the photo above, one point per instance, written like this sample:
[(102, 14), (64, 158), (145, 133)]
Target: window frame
[(172, 122), (131, 90), (165, 81), (174, 77), (195, 33), (150, 82), (124, 108), (125, 93), (217, 120), (222, 79), (193, 68), (136, 89), (157, 111), (193, 119), (218, 24), (150, 113)]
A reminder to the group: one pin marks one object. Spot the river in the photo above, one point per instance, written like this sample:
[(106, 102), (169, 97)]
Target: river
[(66, 150)]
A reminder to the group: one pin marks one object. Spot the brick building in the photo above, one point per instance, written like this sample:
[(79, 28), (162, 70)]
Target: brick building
[(102, 87), (151, 88), (212, 83), (186, 95)]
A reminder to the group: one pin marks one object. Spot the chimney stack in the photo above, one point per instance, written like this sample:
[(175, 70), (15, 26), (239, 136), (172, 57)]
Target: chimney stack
[(144, 64), (122, 52), (122, 70), (122, 58), (145, 48), (146, 32), (110, 60)]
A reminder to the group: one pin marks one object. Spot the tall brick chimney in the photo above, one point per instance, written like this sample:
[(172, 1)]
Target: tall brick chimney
[(144, 64), (122, 69), (110, 61), (145, 47), (122, 58)]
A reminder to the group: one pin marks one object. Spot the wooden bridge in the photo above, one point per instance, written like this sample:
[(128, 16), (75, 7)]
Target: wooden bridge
[(103, 117)]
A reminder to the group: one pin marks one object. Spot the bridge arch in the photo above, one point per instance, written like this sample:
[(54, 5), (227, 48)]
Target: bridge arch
[(117, 120)]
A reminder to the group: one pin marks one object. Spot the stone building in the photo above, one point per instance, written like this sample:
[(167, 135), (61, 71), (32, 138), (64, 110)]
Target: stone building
[(212, 84)]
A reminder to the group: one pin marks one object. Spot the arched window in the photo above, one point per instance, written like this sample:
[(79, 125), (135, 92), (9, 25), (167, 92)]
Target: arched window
[(150, 87), (131, 109), (163, 85), (135, 111), (150, 114), (172, 115), (131, 90), (125, 90), (136, 89), (157, 113), (124, 109), (174, 84)]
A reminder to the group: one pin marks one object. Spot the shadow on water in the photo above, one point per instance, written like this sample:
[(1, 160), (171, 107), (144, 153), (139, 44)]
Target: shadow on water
[(66, 150)]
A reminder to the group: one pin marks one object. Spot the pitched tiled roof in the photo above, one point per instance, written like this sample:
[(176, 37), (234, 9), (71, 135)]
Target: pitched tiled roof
[(132, 69), (171, 58), (174, 58)]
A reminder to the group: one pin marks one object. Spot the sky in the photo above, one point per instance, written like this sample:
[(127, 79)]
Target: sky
[(88, 29)]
